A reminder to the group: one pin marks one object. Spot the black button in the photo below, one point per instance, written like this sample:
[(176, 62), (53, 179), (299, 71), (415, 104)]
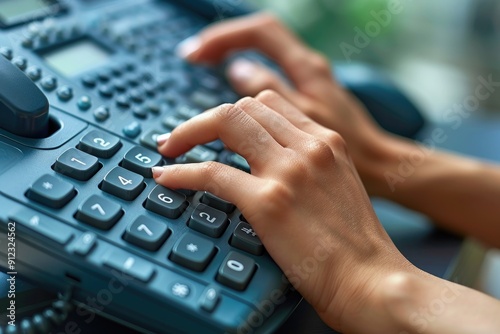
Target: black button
[(245, 238), (217, 202), (120, 85), (140, 160), (166, 202), (42, 224), (89, 81), (99, 212), (146, 233), (100, 143), (187, 112), (208, 221), (198, 154), (123, 183), (236, 271), (136, 95), (140, 269), (51, 191), (239, 162), (149, 138), (172, 121), (104, 76), (106, 91), (84, 103), (215, 145), (122, 101), (205, 100), (150, 88), (140, 112), (193, 252), (77, 164)]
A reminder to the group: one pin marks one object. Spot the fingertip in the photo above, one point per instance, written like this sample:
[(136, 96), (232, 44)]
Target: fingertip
[(157, 171), (241, 70), (188, 48), (162, 139)]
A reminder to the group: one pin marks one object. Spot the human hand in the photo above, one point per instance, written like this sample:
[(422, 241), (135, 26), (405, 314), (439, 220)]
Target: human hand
[(303, 198), (315, 92)]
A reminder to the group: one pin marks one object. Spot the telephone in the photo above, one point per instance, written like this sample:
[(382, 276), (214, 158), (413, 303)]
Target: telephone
[(85, 88)]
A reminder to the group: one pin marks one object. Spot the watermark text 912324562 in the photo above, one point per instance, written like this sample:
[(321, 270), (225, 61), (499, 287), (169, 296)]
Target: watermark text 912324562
[(11, 279)]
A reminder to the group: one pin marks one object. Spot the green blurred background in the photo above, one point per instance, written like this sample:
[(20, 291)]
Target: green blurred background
[(435, 49)]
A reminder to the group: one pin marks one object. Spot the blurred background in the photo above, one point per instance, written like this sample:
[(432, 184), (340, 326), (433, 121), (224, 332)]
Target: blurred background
[(436, 50)]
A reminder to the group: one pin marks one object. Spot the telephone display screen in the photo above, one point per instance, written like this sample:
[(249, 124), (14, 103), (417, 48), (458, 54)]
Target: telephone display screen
[(13, 10), (77, 57)]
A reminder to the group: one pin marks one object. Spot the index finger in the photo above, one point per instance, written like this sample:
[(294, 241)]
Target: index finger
[(266, 34)]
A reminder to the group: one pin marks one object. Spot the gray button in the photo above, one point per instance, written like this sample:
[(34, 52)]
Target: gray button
[(51, 191), (140, 160), (100, 143), (77, 164), (166, 202), (65, 93), (149, 138), (99, 212), (198, 154), (34, 73), (123, 183), (147, 233), (84, 103), (20, 62), (193, 252), (245, 238), (209, 299), (84, 244), (49, 83), (132, 130), (217, 202), (101, 113), (236, 271), (209, 221)]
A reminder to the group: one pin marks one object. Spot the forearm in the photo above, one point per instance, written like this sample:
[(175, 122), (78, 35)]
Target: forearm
[(458, 193), (421, 303)]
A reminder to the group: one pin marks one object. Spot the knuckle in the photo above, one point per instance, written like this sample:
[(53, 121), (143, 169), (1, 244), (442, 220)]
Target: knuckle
[(335, 141), (246, 102), (210, 170), (275, 196), (268, 95), (319, 63), (319, 152), (227, 113)]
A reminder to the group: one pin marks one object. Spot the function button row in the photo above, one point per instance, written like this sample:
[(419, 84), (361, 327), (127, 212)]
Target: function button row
[(99, 212), (51, 191), (100, 144), (77, 164)]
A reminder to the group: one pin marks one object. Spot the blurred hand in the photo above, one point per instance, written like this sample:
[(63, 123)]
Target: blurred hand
[(303, 198), (314, 91)]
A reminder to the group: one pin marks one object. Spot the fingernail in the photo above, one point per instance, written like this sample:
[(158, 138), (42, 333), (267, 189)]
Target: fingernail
[(162, 139), (242, 70), (187, 47), (157, 171)]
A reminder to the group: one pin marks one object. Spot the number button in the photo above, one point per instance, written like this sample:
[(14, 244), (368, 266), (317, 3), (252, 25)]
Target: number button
[(216, 202), (99, 212), (99, 144), (166, 202), (123, 183), (140, 160), (77, 164), (209, 221), (146, 233), (236, 271)]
